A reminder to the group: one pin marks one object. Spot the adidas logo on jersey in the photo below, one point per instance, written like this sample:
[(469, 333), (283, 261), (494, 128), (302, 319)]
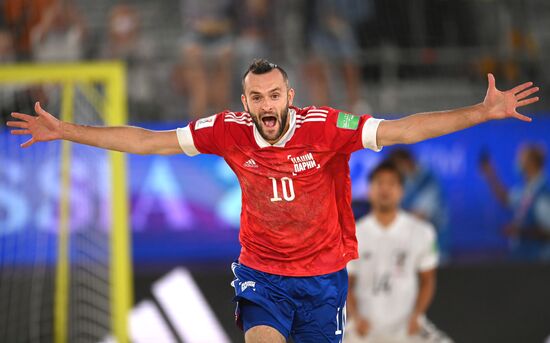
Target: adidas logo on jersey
[(250, 164)]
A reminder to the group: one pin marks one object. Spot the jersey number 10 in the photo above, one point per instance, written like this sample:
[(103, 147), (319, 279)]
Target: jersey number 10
[(287, 187)]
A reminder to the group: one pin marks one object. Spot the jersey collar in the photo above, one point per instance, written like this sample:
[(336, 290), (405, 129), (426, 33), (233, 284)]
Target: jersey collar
[(393, 228), (262, 143)]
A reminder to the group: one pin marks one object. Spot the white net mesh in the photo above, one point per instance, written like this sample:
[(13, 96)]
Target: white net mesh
[(30, 199)]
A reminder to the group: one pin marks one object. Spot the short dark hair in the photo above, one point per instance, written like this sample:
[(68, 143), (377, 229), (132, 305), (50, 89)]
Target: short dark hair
[(537, 154), (389, 166), (400, 154), (262, 66)]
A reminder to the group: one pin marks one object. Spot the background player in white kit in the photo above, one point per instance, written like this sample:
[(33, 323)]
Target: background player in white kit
[(392, 283)]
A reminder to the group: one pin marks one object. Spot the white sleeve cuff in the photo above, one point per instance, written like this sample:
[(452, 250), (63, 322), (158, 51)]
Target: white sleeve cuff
[(369, 134), (429, 262), (185, 139), (430, 257)]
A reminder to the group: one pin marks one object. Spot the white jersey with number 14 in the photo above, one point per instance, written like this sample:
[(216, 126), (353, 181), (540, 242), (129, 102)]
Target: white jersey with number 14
[(387, 269)]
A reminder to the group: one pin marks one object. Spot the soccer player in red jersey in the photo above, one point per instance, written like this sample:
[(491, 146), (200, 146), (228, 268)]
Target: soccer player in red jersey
[(297, 231)]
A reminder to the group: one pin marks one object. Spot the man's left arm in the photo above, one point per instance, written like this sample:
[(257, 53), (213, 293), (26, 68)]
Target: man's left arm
[(426, 267), (421, 126), (425, 296)]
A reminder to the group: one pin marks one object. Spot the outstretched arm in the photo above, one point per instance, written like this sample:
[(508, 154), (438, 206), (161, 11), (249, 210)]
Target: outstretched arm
[(421, 126), (495, 183), (44, 127)]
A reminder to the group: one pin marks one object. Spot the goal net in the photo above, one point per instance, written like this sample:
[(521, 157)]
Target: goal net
[(65, 271)]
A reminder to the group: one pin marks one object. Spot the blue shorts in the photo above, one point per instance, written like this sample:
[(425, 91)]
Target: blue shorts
[(309, 309)]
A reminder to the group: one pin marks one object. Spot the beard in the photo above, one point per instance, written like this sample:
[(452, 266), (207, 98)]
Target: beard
[(281, 119)]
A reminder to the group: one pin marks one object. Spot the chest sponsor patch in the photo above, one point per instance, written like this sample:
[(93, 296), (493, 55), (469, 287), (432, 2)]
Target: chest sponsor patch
[(347, 121), (303, 163), (205, 122)]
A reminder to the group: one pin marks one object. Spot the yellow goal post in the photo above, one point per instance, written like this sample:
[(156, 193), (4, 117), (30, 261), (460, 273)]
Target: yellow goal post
[(111, 104)]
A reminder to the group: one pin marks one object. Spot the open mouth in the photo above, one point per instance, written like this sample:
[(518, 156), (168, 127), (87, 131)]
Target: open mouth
[(269, 121)]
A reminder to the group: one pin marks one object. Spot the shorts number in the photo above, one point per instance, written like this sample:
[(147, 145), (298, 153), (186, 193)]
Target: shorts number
[(288, 189)]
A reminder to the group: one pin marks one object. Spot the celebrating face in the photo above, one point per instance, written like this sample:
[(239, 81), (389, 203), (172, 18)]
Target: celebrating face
[(267, 98)]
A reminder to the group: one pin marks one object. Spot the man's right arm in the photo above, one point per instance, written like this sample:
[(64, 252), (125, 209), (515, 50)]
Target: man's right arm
[(129, 139), (44, 127)]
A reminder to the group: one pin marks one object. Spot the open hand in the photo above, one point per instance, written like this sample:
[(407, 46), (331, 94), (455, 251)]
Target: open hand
[(362, 326), (504, 104), (414, 325), (43, 127)]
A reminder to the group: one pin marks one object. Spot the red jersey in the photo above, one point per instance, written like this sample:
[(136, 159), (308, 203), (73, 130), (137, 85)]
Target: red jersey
[(296, 217)]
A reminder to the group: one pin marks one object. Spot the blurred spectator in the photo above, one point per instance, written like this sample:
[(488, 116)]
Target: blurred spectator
[(256, 30), (7, 55), (450, 24), (423, 195), (12, 96), (332, 42), (207, 52), (517, 59), (7, 47), (521, 57), (125, 41), (520, 51), (530, 204), (60, 34), (21, 16), (392, 284)]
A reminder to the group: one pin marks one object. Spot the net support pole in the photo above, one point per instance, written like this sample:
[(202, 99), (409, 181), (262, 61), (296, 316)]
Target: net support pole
[(121, 266), (61, 307), (113, 75)]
